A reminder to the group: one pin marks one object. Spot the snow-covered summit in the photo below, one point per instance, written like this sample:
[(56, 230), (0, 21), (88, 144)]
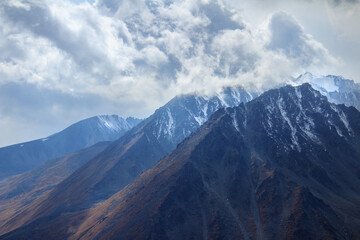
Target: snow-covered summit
[(116, 123), (185, 113), (321, 83), (85, 133), (336, 88)]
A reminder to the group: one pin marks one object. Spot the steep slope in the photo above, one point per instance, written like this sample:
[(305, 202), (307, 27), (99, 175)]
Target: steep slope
[(142, 147), (283, 166), (126, 158), (19, 190), (336, 88), (21, 157), (49, 173)]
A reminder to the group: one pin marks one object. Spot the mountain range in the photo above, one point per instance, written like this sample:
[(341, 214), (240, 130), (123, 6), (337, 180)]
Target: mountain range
[(281, 156), (135, 152), (283, 166), (22, 157)]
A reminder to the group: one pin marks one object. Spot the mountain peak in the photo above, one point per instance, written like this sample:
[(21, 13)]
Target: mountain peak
[(336, 88), (269, 169), (294, 115), (21, 157)]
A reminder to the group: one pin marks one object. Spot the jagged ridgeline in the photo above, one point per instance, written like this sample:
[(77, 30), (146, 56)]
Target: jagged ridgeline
[(104, 174), (284, 165)]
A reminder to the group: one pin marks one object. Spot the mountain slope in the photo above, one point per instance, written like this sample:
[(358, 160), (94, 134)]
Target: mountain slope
[(49, 173), (143, 147), (283, 166), (21, 157), (22, 189), (126, 158)]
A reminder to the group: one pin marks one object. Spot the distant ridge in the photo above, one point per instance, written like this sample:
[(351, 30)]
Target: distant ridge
[(336, 88), (21, 157)]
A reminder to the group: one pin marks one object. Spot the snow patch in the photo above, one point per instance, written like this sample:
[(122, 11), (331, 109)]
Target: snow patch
[(113, 123), (170, 126), (336, 128), (205, 109), (294, 139), (160, 129), (236, 96), (299, 96), (200, 120), (343, 118), (234, 121), (222, 101), (320, 83)]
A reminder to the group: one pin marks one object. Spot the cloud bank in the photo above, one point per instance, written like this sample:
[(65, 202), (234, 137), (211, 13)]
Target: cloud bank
[(68, 60)]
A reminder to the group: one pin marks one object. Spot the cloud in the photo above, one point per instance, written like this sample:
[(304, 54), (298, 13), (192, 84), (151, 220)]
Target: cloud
[(234, 51), (130, 57), (339, 2), (288, 37), (99, 50)]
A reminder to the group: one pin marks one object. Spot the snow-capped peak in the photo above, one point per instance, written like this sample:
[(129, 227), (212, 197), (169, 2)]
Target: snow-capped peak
[(336, 88), (324, 84), (113, 122), (184, 114)]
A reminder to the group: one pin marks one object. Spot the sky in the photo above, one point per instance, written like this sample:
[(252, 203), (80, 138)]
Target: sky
[(64, 61)]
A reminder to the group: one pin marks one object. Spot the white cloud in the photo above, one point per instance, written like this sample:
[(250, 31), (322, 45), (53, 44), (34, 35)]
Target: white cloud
[(153, 56), (141, 53), (288, 37), (234, 51)]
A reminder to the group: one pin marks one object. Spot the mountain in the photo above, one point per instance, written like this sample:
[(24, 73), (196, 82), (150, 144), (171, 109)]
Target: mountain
[(18, 190), (336, 88), (21, 157), (126, 158), (142, 147), (49, 173), (283, 166)]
